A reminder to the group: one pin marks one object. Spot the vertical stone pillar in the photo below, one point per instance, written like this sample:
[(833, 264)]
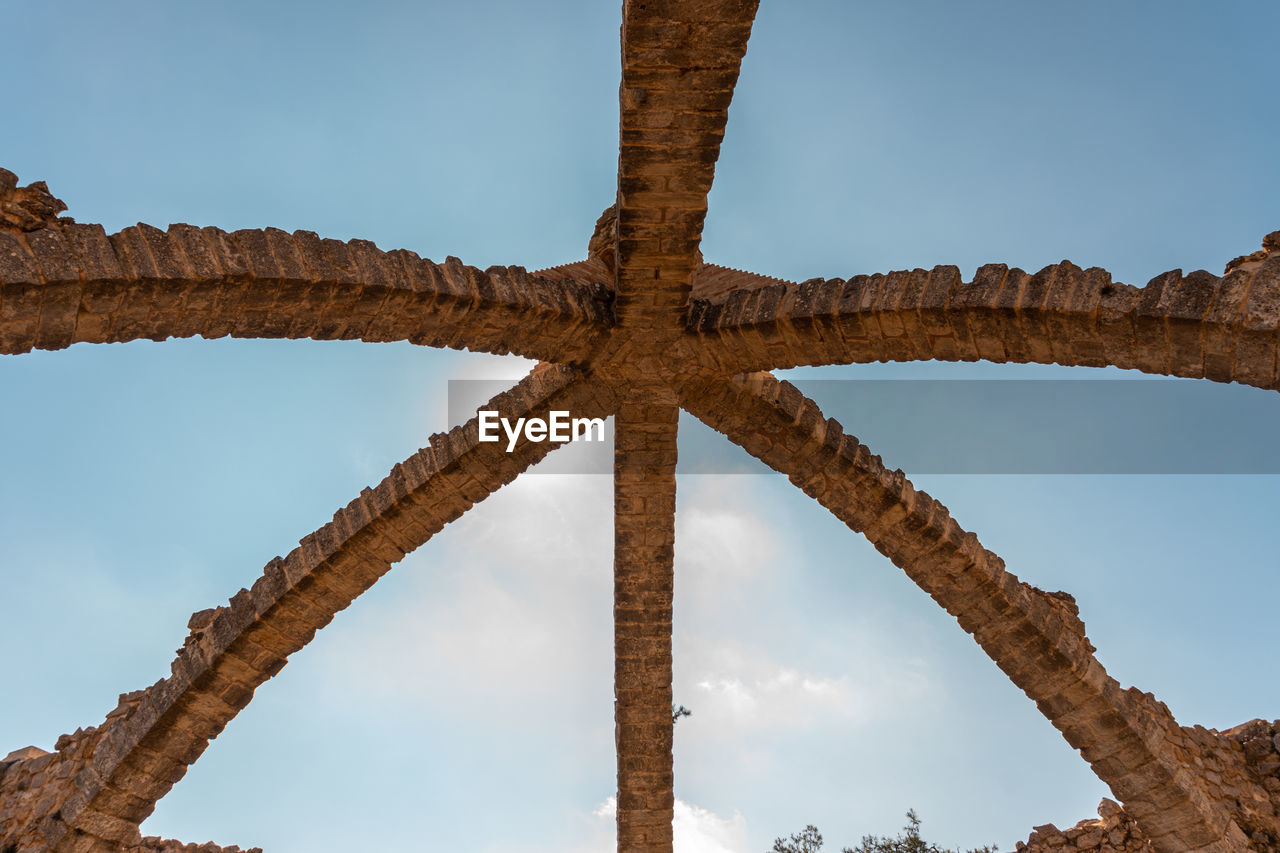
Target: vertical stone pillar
[(644, 549)]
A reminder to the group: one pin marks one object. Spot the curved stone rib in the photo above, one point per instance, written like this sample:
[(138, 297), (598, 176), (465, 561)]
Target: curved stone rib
[(1037, 638), (1198, 325), (75, 283), (644, 500), (680, 64), (141, 753)]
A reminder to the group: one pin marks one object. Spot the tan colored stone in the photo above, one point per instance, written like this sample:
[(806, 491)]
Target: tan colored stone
[(640, 329)]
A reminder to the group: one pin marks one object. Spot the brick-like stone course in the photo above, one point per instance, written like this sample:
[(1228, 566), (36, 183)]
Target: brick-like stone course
[(75, 283), (1240, 766), (643, 556), (38, 784), (1223, 328), (680, 63)]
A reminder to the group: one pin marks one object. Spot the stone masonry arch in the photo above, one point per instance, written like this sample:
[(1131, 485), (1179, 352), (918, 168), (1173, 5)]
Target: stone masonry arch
[(641, 329)]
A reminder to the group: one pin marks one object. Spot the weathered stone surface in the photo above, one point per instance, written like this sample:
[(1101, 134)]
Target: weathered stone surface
[(1251, 788), (638, 330), (1193, 325), (643, 553), (1270, 246), (65, 285), (672, 122), (155, 844), (28, 208)]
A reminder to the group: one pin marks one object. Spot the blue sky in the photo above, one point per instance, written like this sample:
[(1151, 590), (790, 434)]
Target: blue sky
[(465, 702)]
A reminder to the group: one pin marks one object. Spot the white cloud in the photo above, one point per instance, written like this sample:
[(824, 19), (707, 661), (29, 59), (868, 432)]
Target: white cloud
[(476, 380), (739, 678), (722, 531), (698, 830), (512, 599), (735, 687), (726, 549), (476, 377), (512, 603), (695, 830), (747, 689)]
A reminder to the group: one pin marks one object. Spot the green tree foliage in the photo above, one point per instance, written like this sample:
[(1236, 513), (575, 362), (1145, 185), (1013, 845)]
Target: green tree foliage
[(810, 841)]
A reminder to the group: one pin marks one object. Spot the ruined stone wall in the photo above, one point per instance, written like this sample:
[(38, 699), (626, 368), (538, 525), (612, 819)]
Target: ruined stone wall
[(1112, 831), (153, 844), (1236, 766), (34, 782)]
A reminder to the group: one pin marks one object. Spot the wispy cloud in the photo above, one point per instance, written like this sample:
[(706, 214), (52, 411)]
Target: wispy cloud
[(724, 533), (732, 544), (745, 688), (695, 830), (512, 603), (512, 599), (773, 695)]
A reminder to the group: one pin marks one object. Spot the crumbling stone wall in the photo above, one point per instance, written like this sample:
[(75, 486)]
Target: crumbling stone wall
[(36, 783), (1112, 831), (1237, 766), (154, 844)]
